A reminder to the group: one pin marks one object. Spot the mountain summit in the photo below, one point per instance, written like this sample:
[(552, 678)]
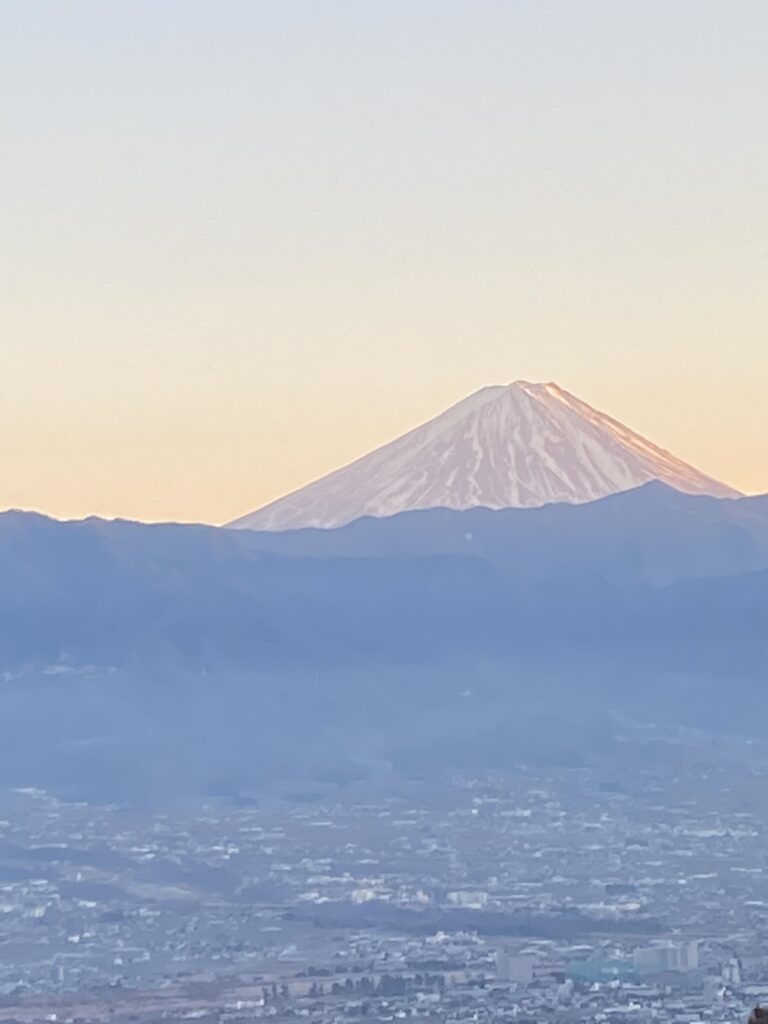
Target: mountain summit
[(520, 445)]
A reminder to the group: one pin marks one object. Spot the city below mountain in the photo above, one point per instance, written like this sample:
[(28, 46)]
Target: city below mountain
[(518, 446)]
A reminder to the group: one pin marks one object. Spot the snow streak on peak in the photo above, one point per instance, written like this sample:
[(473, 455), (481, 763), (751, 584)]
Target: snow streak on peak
[(518, 445)]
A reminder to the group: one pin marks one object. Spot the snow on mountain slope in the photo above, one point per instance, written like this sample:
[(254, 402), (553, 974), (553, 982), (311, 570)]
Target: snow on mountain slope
[(520, 445)]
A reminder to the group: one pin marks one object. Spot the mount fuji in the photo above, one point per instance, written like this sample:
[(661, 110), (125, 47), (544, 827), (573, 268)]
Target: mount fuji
[(519, 445)]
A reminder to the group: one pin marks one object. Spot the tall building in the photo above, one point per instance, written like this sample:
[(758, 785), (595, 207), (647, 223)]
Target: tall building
[(518, 969), (731, 972), (669, 956)]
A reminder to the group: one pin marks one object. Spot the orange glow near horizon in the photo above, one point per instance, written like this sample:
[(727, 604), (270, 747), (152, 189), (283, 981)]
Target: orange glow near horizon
[(245, 248)]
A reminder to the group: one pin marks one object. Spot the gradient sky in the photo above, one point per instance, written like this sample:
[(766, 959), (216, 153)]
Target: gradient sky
[(243, 242)]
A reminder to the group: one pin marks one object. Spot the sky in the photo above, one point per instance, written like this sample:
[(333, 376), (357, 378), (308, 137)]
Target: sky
[(242, 243)]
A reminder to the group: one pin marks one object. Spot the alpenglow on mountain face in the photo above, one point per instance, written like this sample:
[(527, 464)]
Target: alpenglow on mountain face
[(515, 446)]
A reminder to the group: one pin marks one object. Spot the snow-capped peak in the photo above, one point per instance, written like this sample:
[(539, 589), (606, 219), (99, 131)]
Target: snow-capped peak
[(518, 445)]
